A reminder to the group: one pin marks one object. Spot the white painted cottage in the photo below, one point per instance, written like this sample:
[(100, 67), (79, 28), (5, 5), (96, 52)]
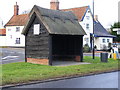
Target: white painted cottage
[(2, 34), (14, 28), (85, 17), (102, 37)]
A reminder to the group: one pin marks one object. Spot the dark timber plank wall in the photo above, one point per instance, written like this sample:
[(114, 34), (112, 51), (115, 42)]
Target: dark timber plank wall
[(37, 45)]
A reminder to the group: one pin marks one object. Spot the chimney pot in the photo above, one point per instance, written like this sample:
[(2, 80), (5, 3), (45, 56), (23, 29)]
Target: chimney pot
[(96, 17), (54, 4), (16, 9)]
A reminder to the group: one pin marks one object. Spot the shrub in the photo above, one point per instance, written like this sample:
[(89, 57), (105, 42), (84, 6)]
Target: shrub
[(86, 48)]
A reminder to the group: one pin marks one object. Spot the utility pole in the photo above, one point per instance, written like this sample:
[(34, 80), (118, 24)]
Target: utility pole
[(93, 33)]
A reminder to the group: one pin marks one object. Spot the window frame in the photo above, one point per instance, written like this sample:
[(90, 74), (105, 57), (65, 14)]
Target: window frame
[(9, 29), (38, 28), (108, 40), (103, 40), (87, 26), (17, 41), (88, 17), (17, 29)]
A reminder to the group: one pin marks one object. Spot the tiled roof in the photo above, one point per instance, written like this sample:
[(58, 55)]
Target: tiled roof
[(2, 32), (79, 12), (100, 31), (18, 20)]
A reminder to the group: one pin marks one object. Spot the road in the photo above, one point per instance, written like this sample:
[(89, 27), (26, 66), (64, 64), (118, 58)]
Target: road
[(10, 55), (106, 80)]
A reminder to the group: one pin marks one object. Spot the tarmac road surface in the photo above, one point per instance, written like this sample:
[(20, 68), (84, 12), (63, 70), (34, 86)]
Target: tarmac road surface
[(10, 55), (106, 80)]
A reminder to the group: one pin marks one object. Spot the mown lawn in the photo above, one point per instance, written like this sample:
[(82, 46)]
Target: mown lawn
[(26, 72)]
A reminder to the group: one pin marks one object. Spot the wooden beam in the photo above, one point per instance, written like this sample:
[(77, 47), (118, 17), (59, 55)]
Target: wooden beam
[(81, 47), (25, 49), (50, 50)]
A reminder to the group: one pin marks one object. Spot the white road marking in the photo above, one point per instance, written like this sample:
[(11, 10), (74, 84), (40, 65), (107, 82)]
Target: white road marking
[(9, 57), (9, 60)]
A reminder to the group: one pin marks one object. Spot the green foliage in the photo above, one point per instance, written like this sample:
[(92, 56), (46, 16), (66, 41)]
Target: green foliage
[(115, 25), (21, 72), (86, 48)]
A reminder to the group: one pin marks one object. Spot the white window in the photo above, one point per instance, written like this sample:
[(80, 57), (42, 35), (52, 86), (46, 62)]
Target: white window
[(88, 11), (118, 32), (88, 17), (108, 40), (103, 40), (17, 41), (36, 29), (87, 26), (17, 29), (86, 39), (10, 36), (9, 29)]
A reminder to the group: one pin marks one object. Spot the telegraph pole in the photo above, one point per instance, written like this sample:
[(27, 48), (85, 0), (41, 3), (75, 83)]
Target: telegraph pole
[(93, 33)]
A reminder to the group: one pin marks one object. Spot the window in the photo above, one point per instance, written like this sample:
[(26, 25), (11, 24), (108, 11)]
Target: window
[(87, 26), (36, 29), (118, 32), (17, 29), (17, 41), (108, 40), (88, 11), (9, 29), (103, 40), (86, 39), (88, 17), (10, 36)]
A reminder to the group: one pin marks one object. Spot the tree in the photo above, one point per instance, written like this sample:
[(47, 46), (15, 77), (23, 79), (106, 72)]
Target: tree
[(26, 12), (115, 25)]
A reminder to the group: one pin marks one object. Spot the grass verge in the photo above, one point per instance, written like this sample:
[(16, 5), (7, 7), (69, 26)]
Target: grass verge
[(26, 72)]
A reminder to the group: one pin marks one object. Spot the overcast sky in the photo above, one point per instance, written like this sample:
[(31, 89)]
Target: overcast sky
[(107, 10)]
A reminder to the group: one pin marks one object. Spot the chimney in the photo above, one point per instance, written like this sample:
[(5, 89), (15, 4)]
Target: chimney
[(54, 5), (96, 17), (16, 9)]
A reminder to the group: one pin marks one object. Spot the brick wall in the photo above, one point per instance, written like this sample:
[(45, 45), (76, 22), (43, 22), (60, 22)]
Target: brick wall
[(38, 61), (54, 5), (77, 58)]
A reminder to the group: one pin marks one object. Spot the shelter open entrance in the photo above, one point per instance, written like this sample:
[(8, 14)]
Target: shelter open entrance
[(67, 48)]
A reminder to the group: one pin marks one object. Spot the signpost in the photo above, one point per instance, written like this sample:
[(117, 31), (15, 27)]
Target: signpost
[(93, 33)]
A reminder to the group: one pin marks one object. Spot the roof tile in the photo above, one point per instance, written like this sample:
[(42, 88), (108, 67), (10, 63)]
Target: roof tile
[(18, 20), (79, 12), (2, 32)]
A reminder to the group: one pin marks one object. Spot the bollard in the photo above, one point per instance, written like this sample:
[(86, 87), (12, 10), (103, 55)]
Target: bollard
[(114, 56)]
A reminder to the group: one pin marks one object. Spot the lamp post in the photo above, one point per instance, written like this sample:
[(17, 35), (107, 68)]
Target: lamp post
[(93, 33)]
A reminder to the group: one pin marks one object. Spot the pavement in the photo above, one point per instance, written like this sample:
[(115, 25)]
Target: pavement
[(67, 63)]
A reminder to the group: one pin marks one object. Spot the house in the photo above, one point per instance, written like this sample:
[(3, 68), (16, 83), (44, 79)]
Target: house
[(2, 34), (83, 14), (118, 34), (85, 18), (102, 37), (1, 23), (2, 37), (14, 27), (117, 30), (52, 35)]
